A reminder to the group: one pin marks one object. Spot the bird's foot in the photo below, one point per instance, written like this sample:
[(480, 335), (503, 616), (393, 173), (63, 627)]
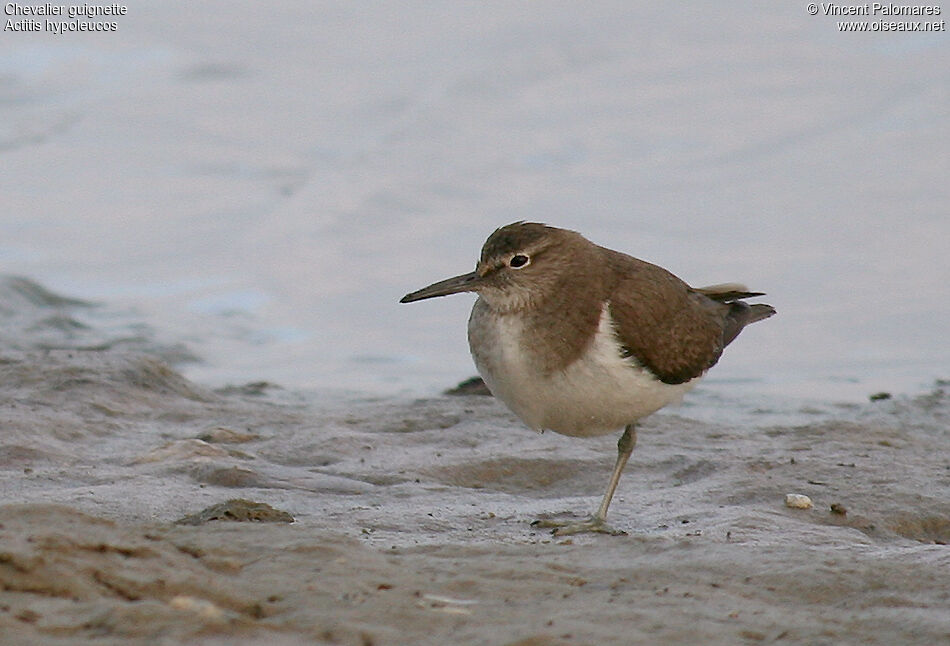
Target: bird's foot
[(595, 524)]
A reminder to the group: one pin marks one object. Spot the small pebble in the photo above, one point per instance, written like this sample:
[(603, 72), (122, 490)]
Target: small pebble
[(202, 608), (797, 501)]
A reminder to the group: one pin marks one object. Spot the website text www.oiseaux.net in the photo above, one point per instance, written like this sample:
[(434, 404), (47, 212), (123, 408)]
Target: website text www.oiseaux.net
[(916, 17)]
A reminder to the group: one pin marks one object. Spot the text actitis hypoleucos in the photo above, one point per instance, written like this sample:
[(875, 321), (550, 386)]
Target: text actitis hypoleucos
[(583, 340)]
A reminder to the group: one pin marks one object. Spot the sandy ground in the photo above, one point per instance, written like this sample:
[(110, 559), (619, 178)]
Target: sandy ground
[(412, 517)]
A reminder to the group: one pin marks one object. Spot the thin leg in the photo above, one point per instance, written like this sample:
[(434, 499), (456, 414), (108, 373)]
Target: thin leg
[(598, 522), (624, 448)]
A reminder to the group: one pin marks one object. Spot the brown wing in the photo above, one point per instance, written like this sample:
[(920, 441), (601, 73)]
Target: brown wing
[(668, 327)]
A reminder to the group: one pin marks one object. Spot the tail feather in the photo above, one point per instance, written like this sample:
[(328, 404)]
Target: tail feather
[(759, 311), (727, 292), (739, 314)]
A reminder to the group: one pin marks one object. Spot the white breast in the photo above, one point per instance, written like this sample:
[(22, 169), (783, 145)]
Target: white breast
[(599, 393)]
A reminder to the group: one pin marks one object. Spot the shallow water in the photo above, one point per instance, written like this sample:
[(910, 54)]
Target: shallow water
[(263, 186)]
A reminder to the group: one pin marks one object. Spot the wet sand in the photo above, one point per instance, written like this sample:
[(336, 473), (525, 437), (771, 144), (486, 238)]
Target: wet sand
[(412, 517)]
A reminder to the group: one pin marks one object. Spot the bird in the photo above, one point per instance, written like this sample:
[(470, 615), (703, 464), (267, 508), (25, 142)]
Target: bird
[(582, 340)]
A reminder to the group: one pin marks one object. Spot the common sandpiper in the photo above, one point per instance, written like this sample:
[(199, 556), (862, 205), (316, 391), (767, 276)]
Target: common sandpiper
[(582, 340)]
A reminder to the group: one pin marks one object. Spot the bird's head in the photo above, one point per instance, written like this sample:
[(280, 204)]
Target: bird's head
[(519, 264)]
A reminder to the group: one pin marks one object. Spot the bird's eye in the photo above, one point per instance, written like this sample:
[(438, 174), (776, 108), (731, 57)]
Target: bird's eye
[(518, 261)]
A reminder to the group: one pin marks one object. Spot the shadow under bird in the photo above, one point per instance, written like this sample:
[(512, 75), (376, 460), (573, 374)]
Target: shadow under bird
[(582, 340)]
